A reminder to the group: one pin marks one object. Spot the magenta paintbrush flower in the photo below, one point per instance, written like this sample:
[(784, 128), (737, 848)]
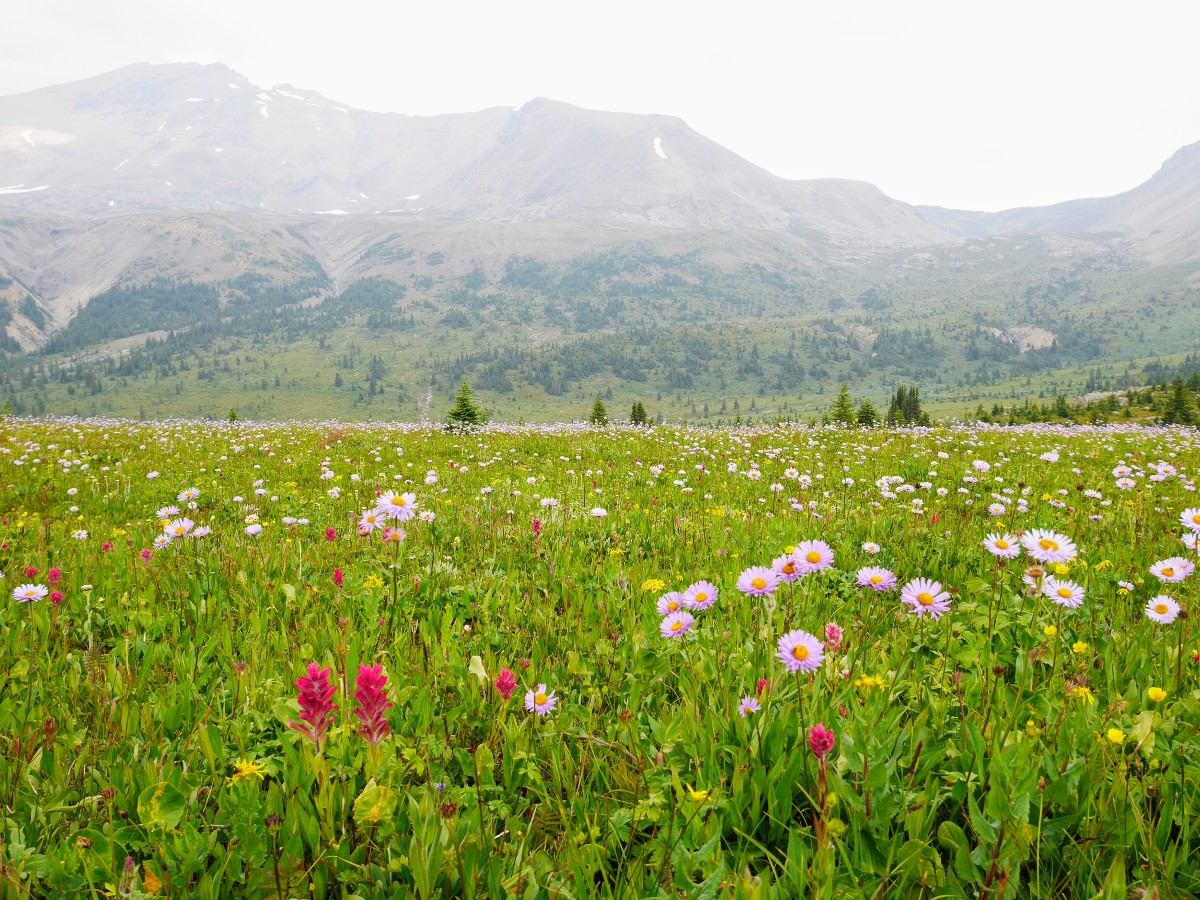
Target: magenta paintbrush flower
[(506, 683), (821, 740), (316, 704), (372, 704)]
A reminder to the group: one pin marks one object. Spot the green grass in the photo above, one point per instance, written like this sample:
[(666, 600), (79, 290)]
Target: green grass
[(1011, 748)]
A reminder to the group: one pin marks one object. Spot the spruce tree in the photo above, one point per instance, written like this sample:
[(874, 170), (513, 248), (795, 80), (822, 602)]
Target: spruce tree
[(905, 408), (842, 411), (465, 413), (637, 415), (599, 414), (1178, 410), (867, 414)]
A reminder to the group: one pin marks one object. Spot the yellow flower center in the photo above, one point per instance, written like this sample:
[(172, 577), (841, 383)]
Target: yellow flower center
[(1196, 518), (789, 568), (701, 597), (925, 598), (676, 626), (813, 557), (1064, 592), (399, 501), (539, 699), (1002, 544), (1047, 544), (876, 579), (1169, 572), (758, 583), (800, 652), (1161, 608), (672, 606)]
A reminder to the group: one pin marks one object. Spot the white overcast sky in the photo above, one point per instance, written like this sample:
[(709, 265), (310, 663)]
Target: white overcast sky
[(966, 103)]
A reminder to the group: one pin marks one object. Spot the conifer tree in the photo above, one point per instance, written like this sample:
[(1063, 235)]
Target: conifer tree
[(867, 414), (599, 414), (842, 411), (1178, 410), (465, 412), (637, 415), (905, 408)]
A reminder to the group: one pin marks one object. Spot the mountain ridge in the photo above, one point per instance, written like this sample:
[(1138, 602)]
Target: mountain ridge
[(1160, 216), (203, 138)]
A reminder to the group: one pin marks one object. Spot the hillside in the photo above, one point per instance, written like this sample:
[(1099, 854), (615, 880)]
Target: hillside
[(175, 240), (1158, 220)]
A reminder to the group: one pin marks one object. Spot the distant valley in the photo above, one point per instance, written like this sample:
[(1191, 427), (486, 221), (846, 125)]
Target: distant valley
[(176, 241)]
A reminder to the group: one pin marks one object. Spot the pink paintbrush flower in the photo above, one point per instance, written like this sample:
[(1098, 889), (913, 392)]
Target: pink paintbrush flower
[(821, 740), (372, 704), (316, 704), (506, 683)]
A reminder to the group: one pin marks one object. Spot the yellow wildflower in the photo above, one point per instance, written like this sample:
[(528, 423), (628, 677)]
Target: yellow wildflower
[(1080, 647), (247, 768), (697, 796), (1049, 631), (1082, 694), (1061, 569), (1115, 736), (867, 682), (1156, 694), (371, 582), (653, 585), (1104, 564)]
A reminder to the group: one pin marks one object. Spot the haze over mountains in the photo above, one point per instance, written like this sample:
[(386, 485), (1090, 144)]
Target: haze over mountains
[(202, 138), (545, 219), (91, 168), (1160, 218)]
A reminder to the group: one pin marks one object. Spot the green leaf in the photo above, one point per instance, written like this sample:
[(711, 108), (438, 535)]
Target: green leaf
[(1114, 884), (374, 805), (210, 745), (987, 830), (161, 806), (476, 669)]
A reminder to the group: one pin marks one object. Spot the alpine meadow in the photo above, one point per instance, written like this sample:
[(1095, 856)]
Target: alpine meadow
[(545, 502)]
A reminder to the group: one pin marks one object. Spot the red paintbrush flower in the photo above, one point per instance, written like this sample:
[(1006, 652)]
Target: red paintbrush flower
[(372, 704), (316, 704)]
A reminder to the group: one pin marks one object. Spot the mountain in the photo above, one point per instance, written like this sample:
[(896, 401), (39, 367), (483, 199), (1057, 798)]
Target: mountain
[(203, 139), (175, 240), (1159, 220)]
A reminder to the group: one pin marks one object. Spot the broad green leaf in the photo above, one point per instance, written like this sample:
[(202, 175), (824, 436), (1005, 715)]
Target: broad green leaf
[(161, 806), (375, 804)]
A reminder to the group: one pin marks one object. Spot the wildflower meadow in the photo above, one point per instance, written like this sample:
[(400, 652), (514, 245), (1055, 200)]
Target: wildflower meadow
[(324, 660)]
